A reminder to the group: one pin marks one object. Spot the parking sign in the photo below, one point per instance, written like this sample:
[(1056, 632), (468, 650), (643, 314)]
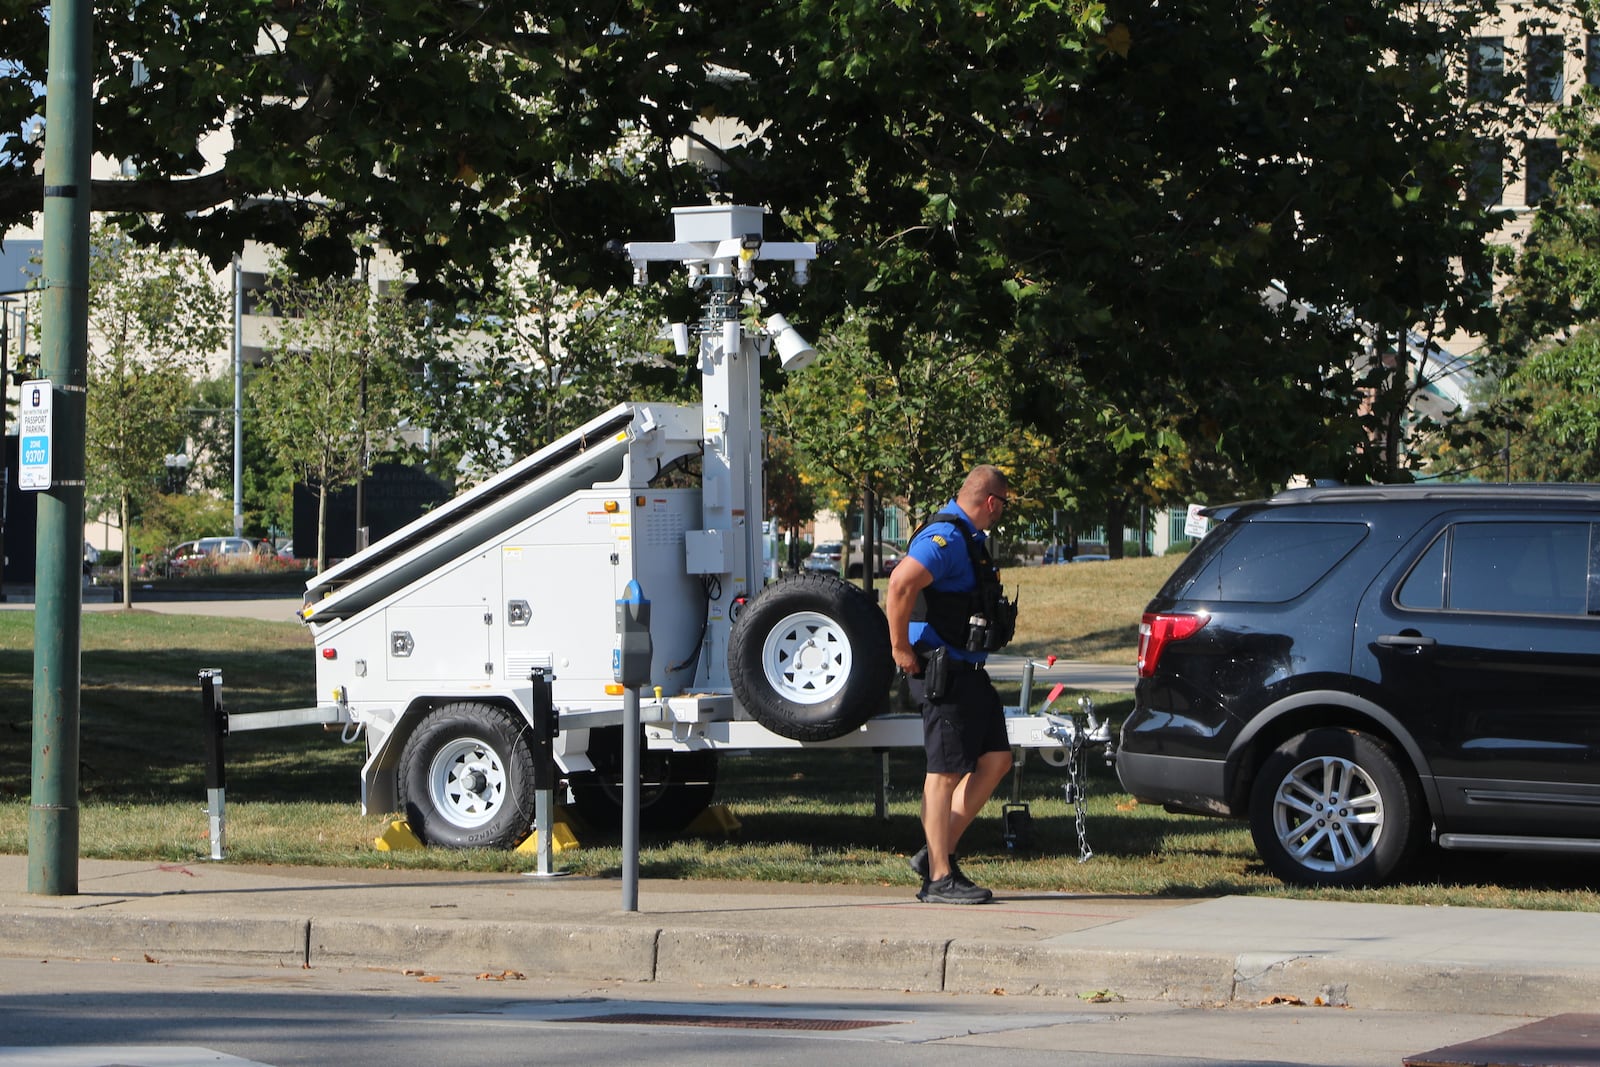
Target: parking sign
[(33, 433)]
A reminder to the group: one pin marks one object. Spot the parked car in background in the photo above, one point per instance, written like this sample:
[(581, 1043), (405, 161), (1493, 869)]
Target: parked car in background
[(826, 556), (1089, 552), (191, 556), (1357, 670)]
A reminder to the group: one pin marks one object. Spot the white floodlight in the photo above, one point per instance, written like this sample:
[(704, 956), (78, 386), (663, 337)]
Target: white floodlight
[(794, 351)]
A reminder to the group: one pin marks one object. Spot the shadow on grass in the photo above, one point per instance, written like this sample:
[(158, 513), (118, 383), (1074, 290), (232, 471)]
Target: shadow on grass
[(141, 730)]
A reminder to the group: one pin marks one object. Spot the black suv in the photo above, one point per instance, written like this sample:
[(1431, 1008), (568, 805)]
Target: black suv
[(1349, 667)]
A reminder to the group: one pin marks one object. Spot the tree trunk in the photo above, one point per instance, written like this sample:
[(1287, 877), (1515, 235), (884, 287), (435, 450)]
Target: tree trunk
[(124, 507), (869, 546), (1116, 523)]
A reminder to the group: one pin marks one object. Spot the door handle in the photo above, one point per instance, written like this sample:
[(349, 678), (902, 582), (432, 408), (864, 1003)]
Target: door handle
[(1411, 641)]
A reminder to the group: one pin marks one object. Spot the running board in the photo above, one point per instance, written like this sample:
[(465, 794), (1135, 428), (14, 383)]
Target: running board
[(1500, 843)]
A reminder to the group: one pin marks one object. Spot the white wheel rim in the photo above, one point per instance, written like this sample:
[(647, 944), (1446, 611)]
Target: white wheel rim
[(467, 782), (1328, 814), (806, 658)]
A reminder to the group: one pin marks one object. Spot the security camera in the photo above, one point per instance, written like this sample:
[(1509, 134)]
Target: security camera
[(794, 352)]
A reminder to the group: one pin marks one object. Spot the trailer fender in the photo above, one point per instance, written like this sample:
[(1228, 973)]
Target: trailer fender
[(809, 658)]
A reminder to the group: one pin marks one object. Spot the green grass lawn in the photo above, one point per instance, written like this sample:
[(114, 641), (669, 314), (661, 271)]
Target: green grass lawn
[(807, 815)]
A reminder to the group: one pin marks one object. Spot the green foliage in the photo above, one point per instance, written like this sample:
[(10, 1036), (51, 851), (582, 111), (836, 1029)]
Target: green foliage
[(153, 316), (170, 518), (792, 499), (1114, 187), (1539, 416), (341, 370), (910, 430), (268, 487), (537, 359), (1542, 423)]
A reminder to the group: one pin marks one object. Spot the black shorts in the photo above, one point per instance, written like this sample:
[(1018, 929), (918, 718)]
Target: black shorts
[(967, 723)]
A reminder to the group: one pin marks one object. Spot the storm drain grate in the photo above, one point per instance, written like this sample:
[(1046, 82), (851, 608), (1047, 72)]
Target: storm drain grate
[(732, 1022)]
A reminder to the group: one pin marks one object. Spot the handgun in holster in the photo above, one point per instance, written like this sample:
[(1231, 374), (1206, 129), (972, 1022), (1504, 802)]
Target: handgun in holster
[(936, 674)]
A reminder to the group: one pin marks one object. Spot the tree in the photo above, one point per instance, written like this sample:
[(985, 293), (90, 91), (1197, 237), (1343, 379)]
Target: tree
[(515, 371), (1542, 423), (153, 317), (342, 364), (907, 431), (267, 489), (1116, 183), (1124, 185), (443, 131)]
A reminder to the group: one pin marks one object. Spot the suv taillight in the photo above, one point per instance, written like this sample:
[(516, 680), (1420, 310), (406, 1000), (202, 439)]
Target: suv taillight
[(1157, 628)]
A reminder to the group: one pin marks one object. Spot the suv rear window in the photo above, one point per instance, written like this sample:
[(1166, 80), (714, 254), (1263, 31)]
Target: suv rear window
[(1524, 568), (1264, 562)]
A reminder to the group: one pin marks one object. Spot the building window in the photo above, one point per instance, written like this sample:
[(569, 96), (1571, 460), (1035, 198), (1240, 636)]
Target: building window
[(1177, 523), (1486, 68), (1547, 81), (1544, 159), (1487, 177), (1591, 59)]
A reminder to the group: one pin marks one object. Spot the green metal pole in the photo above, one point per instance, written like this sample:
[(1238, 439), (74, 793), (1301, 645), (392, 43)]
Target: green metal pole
[(58, 578)]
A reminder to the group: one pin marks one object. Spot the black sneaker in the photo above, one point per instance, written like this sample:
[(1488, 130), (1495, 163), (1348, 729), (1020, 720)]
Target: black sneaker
[(919, 864), (953, 890), (919, 867)]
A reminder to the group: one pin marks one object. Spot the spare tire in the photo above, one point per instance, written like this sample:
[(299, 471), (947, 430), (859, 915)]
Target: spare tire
[(809, 658)]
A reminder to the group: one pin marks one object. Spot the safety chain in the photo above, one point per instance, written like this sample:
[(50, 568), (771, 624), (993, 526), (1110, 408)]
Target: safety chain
[(1075, 786)]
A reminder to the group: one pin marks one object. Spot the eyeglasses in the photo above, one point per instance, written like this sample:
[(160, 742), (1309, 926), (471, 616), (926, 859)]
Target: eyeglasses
[(999, 497)]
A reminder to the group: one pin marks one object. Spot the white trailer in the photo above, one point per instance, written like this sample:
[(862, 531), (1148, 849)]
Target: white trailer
[(427, 642)]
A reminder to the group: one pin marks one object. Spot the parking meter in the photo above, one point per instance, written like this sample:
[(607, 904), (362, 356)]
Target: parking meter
[(630, 660)]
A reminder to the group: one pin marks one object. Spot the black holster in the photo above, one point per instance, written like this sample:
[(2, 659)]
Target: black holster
[(936, 675)]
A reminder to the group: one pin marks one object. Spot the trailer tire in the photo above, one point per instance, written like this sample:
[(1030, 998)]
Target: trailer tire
[(466, 777), (809, 658), (675, 786)]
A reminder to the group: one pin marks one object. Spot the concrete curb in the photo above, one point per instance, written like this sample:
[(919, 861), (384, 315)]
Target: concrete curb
[(647, 953), (812, 961), (1057, 971), (277, 942), (592, 952)]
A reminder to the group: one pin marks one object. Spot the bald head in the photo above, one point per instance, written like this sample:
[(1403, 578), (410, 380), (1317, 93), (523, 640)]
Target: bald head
[(983, 495)]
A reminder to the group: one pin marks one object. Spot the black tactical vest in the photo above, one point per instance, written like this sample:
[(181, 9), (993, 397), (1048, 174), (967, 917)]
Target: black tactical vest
[(980, 619)]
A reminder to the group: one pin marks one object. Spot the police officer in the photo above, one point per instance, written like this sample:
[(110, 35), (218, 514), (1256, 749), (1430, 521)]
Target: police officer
[(943, 599)]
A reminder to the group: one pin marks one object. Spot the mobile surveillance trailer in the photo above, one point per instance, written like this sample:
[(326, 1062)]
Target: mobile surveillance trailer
[(429, 642)]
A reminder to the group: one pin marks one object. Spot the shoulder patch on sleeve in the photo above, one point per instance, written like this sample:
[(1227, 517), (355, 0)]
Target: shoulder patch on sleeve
[(939, 540)]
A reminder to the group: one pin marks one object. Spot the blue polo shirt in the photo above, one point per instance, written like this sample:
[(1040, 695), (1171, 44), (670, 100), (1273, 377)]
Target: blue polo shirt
[(939, 548)]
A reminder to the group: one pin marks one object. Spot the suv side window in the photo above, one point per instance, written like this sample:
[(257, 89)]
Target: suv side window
[(1271, 562), (1522, 568)]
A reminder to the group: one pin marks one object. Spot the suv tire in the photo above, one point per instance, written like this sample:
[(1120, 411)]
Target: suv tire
[(1332, 807)]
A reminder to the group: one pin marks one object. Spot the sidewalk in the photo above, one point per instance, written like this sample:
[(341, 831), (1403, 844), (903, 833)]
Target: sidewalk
[(1240, 950)]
